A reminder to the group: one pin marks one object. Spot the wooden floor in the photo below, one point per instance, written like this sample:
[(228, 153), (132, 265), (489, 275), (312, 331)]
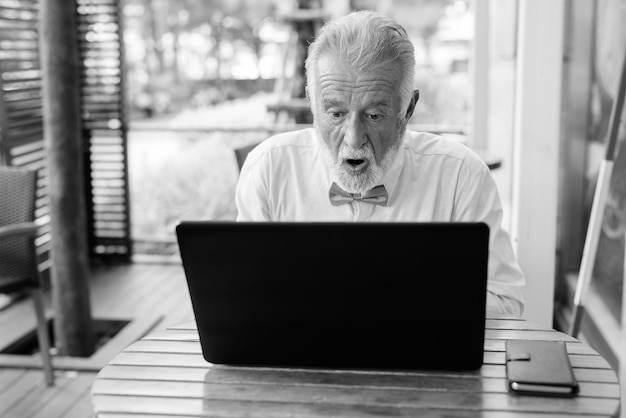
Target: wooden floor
[(139, 290)]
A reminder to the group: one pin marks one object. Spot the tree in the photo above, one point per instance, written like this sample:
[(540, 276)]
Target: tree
[(420, 17), (68, 219), (250, 17)]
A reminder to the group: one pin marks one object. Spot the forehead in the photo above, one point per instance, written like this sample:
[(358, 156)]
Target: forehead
[(335, 79)]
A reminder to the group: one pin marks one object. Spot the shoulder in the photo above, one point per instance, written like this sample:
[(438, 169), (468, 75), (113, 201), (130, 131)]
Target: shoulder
[(288, 140), (284, 144), (424, 147)]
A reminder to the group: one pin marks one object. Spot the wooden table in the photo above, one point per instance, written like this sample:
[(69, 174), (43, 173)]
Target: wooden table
[(164, 373)]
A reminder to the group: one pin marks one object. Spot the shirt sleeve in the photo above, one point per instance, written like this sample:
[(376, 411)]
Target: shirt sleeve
[(251, 194), (478, 200)]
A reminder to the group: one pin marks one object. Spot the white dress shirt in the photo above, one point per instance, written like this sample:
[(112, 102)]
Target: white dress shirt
[(286, 178)]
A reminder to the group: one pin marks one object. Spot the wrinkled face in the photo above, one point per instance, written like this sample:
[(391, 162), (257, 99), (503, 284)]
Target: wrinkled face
[(360, 121)]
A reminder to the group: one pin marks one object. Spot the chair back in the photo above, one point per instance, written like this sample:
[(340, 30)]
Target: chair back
[(242, 153), (18, 189)]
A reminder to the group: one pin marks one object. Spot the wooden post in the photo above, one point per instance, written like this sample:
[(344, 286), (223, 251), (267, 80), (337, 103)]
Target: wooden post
[(73, 328)]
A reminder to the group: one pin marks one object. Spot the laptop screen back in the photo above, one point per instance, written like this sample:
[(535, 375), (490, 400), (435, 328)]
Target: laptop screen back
[(344, 295)]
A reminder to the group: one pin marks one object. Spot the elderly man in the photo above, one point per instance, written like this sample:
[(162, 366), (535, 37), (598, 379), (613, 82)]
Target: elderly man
[(359, 163)]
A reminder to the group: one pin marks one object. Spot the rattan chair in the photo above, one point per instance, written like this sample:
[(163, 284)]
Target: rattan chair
[(18, 258)]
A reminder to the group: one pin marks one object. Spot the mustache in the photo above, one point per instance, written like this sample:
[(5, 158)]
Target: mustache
[(364, 153)]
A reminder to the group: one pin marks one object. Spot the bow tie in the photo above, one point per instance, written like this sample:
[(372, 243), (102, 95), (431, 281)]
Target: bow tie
[(375, 196)]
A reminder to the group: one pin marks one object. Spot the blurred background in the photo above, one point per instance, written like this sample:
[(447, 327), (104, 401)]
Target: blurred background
[(206, 70), (171, 90)]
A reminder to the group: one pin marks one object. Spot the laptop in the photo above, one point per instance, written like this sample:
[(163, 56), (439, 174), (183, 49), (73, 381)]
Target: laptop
[(338, 295)]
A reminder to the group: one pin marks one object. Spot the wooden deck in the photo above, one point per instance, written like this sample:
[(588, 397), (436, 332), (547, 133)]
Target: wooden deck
[(150, 295)]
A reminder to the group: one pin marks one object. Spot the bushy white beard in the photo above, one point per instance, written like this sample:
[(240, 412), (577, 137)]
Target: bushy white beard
[(373, 174)]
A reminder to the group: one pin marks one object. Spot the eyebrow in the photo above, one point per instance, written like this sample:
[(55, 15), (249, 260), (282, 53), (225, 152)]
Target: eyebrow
[(380, 103), (330, 101)]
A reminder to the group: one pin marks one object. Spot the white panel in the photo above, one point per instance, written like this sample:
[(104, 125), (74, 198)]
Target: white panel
[(536, 150), (479, 68), (622, 352)]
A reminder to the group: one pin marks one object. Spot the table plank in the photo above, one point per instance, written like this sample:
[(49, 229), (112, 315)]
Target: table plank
[(577, 361), (174, 335), (188, 332), (165, 346), (191, 347), (582, 375), (356, 396), (187, 345), (511, 323), (538, 335), (190, 360), (491, 344), (573, 347), (433, 381), (143, 407), (490, 323)]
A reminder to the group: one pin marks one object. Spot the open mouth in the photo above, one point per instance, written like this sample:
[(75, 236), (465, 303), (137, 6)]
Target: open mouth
[(354, 162), (355, 166)]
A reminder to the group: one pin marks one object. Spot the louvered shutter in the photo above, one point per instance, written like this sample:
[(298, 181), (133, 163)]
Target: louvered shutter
[(105, 127)]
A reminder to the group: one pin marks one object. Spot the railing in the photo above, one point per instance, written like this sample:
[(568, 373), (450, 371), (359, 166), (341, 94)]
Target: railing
[(276, 128)]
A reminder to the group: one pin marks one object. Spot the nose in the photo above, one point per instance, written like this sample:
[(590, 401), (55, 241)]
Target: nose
[(354, 133)]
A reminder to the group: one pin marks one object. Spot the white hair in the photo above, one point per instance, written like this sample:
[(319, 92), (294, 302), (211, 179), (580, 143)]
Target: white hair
[(364, 40)]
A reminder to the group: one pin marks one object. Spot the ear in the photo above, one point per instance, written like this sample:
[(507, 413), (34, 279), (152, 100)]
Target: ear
[(307, 95), (412, 103)]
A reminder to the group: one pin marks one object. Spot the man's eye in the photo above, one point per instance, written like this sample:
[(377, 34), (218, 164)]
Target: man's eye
[(374, 116), (336, 114)]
